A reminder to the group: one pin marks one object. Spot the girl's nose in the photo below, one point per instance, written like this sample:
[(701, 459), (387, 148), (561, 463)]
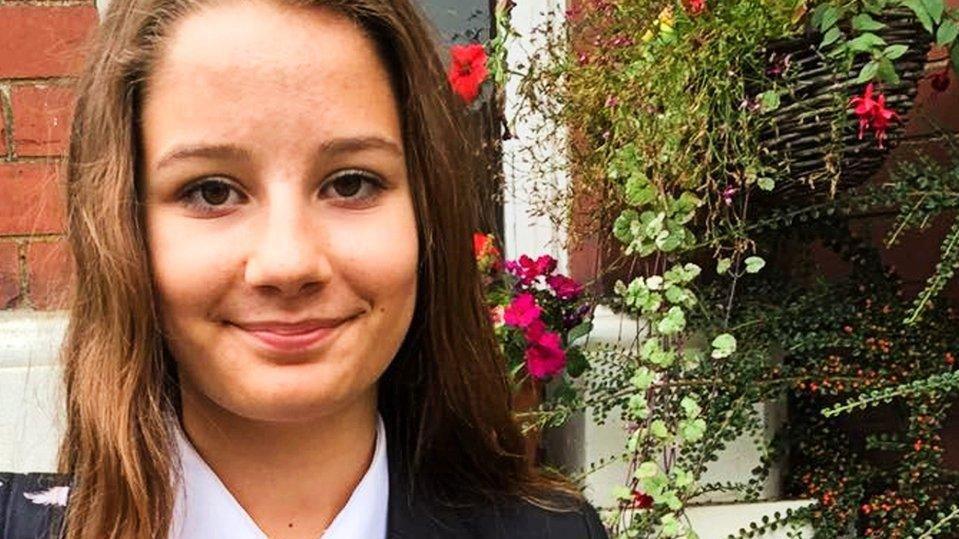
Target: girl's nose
[(286, 253)]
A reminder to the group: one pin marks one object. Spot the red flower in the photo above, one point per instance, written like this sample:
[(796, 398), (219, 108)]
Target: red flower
[(641, 500), (544, 352), (484, 246), (467, 70), (695, 7), (940, 80), (522, 311)]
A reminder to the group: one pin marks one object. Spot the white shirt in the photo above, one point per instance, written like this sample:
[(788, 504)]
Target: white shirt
[(205, 509)]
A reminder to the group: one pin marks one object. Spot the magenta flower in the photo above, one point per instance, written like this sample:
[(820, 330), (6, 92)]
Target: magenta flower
[(544, 352), (528, 269), (729, 193), (564, 287), (522, 311)]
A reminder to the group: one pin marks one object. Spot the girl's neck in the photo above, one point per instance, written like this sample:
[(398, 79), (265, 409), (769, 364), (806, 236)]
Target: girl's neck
[(292, 478)]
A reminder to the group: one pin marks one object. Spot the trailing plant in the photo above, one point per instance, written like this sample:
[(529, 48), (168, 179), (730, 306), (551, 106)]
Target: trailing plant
[(846, 349)]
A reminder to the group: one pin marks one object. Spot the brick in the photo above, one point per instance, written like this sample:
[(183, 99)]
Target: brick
[(3, 126), (41, 119), (9, 275), (43, 41), (30, 199), (49, 271)]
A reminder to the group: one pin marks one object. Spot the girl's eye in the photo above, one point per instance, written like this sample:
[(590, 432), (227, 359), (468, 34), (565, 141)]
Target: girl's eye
[(353, 185), (209, 195)]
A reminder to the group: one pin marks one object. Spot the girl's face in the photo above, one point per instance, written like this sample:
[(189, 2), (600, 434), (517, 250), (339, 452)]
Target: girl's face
[(279, 217)]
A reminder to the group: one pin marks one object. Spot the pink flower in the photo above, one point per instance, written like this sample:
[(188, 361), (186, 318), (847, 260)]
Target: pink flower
[(468, 70), (564, 287), (544, 352), (522, 311), (729, 193), (496, 315)]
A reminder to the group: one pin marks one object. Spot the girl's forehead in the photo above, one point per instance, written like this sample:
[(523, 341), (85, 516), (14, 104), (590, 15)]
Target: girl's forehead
[(256, 73), (266, 39)]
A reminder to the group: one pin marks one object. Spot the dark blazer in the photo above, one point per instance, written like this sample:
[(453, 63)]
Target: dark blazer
[(409, 517)]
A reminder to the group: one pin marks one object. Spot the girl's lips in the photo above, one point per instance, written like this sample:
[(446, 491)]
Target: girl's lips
[(290, 338)]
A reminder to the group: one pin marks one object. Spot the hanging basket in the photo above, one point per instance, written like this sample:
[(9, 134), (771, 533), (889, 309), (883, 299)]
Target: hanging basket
[(814, 135)]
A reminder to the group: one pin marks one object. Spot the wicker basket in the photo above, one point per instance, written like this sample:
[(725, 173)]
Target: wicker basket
[(801, 139)]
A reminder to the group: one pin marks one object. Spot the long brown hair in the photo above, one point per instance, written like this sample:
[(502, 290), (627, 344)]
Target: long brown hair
[(444, 397)]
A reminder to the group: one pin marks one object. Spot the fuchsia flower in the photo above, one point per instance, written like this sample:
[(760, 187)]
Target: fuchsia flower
[(564, 287), (873, 113), (881, 119), (468, 70), (522, 311), (865, 104), (544, 351)]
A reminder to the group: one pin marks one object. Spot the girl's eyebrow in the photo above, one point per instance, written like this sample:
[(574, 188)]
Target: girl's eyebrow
[(333, 146)]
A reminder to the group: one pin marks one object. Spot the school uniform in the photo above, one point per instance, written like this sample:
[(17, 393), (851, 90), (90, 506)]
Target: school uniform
[(379, 508)]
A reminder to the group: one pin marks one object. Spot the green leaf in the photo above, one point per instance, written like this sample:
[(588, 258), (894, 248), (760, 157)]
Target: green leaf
[(691, 407), (723, 265), (723, 346), (831, 36), (817, 14), (669, 524), (681, 478), (754, 264), (769, 100), (639, 191), (868, 72), (895, 51), (865, 23), (646, 469), (887, 71), (875, 7), (622, 228), (658, 429), (643, 378), (954, 54), (576, 362), (766, 184), (921, 13), (934, 8), (947, 32), (866, 42), (673, 322), (579, 331), (692, 430), (829, 19), (622, 492)]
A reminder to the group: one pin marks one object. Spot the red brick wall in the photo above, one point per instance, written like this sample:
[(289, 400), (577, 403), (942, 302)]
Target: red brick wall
[(41, 49)]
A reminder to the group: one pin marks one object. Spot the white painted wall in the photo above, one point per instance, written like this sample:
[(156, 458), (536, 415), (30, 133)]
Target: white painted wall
[(31, 417)]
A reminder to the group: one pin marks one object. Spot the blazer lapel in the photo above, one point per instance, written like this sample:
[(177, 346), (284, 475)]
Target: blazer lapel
[(409, 515)]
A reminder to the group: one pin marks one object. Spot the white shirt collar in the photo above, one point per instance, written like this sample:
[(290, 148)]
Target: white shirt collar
[(204, 507)]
